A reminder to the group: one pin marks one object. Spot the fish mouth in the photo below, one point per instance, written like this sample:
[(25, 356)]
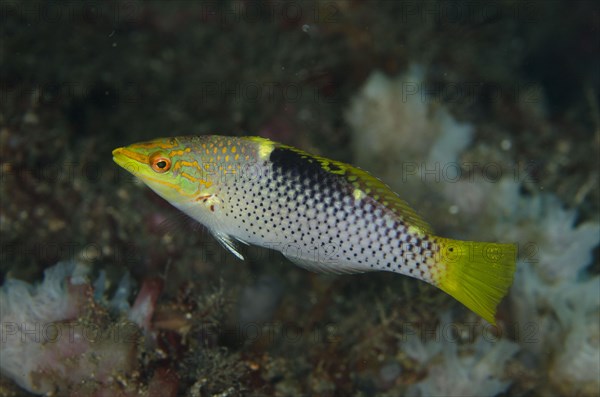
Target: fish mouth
[(117, 152), (119, 156), (128, 159)]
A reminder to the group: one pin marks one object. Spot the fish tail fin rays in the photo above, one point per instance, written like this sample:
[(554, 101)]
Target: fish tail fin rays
[(477, 274)]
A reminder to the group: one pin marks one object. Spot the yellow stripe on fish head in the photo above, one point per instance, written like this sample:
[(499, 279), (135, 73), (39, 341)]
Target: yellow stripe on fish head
[(168, 166)]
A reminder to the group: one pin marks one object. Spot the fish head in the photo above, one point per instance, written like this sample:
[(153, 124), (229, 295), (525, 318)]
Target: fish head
[(169, 166)]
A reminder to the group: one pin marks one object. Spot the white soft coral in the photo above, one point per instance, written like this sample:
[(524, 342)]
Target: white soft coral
[(30, 317), (476, 369), (555, 304), (56, 338), (403, 136)]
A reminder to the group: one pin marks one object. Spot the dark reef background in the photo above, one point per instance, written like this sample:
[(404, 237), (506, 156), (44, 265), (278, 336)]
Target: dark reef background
[(78, 79)]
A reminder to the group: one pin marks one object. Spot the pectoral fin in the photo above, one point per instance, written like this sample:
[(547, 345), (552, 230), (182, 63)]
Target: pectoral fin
[(229, 243)]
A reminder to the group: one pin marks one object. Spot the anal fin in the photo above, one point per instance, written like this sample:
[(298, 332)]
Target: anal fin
[(329, 266)]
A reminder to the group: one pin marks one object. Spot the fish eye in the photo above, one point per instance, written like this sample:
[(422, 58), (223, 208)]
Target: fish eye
[(160, 163)]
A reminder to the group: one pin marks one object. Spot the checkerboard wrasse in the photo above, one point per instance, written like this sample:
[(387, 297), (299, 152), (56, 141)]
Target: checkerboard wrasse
[(322, 214)]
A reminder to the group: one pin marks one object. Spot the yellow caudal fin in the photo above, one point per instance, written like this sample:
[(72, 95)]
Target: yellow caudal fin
[(477, 274)]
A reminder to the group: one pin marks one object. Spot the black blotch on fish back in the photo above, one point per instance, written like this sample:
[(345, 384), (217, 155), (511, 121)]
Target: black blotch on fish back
[(308, 171), (308, 177), (290, 162)]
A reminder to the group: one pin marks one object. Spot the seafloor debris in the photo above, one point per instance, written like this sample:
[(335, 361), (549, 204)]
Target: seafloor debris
[(58, 339)]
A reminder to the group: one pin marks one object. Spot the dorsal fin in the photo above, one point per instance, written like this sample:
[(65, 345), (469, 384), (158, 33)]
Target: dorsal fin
[(380, 192)]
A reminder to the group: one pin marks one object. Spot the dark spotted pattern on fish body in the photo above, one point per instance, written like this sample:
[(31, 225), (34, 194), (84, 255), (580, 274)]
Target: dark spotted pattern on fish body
[(313, 217)]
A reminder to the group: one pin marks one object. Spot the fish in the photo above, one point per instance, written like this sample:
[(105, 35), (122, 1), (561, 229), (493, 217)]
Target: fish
[(321, 214)]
